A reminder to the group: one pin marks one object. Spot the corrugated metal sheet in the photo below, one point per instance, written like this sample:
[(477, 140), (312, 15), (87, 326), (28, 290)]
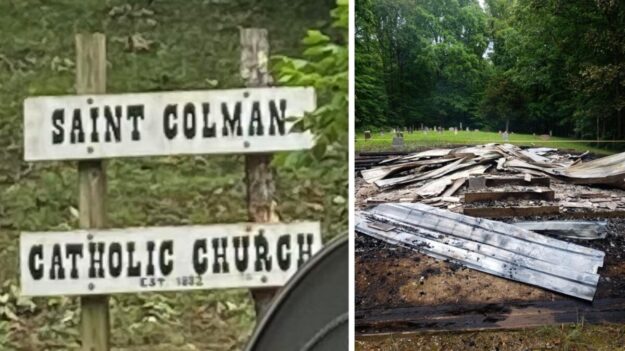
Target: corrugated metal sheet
[(488, 246), (582, 230)]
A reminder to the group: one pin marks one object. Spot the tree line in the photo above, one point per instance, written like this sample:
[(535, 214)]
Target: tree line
[(533, 66)]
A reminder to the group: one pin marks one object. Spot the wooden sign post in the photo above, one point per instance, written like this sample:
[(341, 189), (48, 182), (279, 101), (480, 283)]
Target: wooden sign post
[(91, 79), (258, 173), (260, 255)]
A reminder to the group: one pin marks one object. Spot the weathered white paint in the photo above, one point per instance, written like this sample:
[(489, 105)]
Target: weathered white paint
[(300, 237), (40, 125)]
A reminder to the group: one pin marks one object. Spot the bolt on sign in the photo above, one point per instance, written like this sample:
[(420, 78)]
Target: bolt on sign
[(166, 123), (132, 260)]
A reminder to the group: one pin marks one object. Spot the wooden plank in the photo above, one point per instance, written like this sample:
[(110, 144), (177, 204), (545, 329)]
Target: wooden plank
[(501, 181), (571, 204), (177, 258), (515, 211), (595, 214), (492, 316), (258, 173), (166, 123), (91, 79), (381, 172), (454, 187), (437, 186), (455, 166), (547, 195)]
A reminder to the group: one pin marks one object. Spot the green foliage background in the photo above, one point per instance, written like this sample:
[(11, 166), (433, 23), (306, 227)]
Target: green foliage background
[(152, 46), (535, 65)]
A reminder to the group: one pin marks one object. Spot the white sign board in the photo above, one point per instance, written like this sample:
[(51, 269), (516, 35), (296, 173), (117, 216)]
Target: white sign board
[(166, 123), (135, 260)]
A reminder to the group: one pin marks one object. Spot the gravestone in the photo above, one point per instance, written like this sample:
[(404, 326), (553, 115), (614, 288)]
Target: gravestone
[(398, 141)]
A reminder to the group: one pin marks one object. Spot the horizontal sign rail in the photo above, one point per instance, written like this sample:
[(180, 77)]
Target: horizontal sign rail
[(166, 123), (244, 255)]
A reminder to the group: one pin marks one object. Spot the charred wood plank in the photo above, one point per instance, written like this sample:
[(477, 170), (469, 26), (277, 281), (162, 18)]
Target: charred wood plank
[(516, 211), (501, 181), (497, 316), (548, 195)]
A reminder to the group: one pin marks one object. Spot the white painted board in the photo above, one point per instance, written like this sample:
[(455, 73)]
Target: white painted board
[(166, 123), (133, 260)]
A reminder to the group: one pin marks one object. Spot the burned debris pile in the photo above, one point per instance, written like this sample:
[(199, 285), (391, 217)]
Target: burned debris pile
[(436, 202), (534, 181)]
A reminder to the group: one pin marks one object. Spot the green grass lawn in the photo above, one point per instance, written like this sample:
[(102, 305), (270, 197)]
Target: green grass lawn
[(418, 139)]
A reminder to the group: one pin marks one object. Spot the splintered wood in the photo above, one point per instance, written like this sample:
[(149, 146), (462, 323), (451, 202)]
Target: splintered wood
[(450, 178)]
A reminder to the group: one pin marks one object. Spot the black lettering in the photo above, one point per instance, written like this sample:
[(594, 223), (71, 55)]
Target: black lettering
[(284, 254), (188, 121), (170, 113), (150, 267), (302, 251), (207, 132), (199, 248), (77, 134), (95, 113), (56, 269), (112, 125), (35, 256), (58, 118), (136, 113), (258, 129), (166, 267), (241, 263), (262, 253), (115, 265), (73, 250), (233, 122), (92, 271), (276, 117), (217, 268), (134, 270)]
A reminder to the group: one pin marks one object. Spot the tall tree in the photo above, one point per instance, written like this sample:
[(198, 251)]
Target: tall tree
[(426, 56)]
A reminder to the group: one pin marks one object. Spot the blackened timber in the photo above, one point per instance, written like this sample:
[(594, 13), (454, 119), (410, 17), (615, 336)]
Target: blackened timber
[(499, 181), (491, 316), (513, 211), (547, 195)]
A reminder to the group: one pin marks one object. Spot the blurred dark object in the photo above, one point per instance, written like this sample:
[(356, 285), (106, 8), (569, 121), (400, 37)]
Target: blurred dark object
[(311, 311)]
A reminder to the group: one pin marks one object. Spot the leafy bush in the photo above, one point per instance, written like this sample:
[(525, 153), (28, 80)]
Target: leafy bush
[(324, 66)]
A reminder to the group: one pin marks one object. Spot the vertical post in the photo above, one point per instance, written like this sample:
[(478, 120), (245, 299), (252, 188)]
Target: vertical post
[(258, 172), (91, 79)]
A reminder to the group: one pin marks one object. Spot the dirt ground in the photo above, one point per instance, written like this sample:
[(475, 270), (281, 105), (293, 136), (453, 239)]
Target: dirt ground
[(571, 338)]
